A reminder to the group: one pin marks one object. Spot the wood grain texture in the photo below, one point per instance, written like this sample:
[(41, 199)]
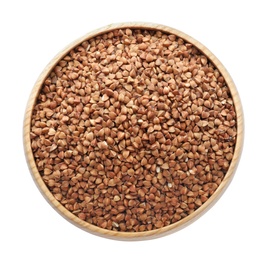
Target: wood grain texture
[(130, 235)]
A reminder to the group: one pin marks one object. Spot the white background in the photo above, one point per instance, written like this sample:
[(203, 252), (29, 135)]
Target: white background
[(33, 32)]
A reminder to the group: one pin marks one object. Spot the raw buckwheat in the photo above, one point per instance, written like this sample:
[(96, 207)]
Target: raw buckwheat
[(133, 130)]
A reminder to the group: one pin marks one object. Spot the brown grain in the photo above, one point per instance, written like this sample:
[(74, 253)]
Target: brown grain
[(133, 130)]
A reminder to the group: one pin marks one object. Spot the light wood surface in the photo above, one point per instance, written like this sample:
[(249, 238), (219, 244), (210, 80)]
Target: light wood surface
[(130, 235)]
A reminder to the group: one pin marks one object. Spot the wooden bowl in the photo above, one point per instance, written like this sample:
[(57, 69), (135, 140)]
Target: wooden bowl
[(132, 235)]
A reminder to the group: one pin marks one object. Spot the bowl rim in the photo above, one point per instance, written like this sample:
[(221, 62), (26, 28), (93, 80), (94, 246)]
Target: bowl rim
[(145, 234)]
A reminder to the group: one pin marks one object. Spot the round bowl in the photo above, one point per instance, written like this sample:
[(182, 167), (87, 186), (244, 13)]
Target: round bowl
[(154, 233)]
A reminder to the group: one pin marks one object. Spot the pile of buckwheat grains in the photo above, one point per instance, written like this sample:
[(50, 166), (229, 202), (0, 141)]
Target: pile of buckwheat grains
[(133, 130)]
